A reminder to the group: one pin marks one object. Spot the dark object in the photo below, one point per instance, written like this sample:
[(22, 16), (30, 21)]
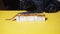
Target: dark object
[(19, 5), (53, 7), (33, 6)]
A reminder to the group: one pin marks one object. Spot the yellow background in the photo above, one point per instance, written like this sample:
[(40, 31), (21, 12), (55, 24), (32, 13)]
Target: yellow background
[(51, 26)]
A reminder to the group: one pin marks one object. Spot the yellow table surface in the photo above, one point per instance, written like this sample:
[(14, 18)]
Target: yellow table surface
[(51, 26)]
